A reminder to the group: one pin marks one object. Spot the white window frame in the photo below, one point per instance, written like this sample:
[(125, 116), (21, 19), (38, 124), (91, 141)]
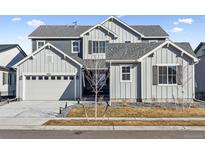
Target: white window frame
[(7, 82), (121, 80), (73, 46), (166, 65), (37, 47)]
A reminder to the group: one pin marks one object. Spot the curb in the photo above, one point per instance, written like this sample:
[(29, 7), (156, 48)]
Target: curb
[(107, 128)]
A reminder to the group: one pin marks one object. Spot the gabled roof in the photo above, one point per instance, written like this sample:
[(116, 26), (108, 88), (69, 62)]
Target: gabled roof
[(99, 25), (59, 31), (199, 46), (71, 31), (76, 60), (151, 31), (5, 47), (137, 51)]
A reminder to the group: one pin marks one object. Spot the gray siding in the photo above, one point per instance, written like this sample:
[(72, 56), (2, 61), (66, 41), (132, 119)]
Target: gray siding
[(167, 92), (39, 66), (200, 75), (62, 44), (125, 90), (124, 34)]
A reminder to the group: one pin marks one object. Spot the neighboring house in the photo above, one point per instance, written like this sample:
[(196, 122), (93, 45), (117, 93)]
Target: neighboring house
[(10, 54), (142, 62), (200, 71)]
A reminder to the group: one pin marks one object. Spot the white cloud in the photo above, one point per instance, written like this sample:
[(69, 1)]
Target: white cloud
[(176, 29), (175, 23), (16, 19), (21, 38), (186, 20), (35, 23)]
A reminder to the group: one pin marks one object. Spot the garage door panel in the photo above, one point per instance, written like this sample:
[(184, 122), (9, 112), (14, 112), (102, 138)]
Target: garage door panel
[(49, 89)]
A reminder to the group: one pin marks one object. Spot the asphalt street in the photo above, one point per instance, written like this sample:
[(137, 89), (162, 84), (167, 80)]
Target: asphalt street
[(65, 134)]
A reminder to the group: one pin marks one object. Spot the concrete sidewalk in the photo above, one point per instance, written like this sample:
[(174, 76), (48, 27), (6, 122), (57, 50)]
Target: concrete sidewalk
[(107, 128)]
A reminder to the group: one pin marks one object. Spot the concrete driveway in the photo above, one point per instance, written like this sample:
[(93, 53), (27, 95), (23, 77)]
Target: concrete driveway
[(32, 109)]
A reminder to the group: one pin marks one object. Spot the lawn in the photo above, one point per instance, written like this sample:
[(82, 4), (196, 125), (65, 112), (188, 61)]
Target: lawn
[(141, 112), (124, 123)]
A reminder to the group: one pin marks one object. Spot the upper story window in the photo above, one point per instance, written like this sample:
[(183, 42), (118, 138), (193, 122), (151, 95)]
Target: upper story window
[(39, 44), (76, 46), (126, 73), (167, 75), (99, 46)]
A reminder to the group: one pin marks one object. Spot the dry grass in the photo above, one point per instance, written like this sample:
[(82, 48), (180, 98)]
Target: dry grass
[(127, 111), (124, 123)]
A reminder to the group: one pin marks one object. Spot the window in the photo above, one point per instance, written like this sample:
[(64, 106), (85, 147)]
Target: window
[(126, 73), (75, 46), (39, 44), (53, 77), (45, 77), (40, 78), (5, 78), (27, 77), (127, 41), (71, 77), (65, 77), (167, 74), (58, 77), (203, 52), (99, 46), (33, 77)]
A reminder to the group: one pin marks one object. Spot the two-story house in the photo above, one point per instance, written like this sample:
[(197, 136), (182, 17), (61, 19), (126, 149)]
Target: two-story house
[(143, 63), (10, 54)]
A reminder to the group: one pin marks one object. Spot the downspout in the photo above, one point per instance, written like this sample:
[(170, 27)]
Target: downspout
[(110, 85)]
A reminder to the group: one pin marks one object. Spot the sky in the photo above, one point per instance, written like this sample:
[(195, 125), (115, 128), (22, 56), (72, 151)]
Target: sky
[(15, 29)]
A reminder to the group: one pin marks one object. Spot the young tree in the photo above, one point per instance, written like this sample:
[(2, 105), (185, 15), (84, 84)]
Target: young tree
[(96, 74)]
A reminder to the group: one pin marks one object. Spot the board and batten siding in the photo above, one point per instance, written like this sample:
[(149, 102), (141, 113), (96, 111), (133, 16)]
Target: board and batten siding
[(38, 65), (124, 90), (170, 55), (98, 34)]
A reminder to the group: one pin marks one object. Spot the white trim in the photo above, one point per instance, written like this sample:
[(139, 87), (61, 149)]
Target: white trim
[(75, 87), (193, 78), (174, 45), (43, 37), (24, 88), (167, 64), (125, 61), (48, 74), (127, 73), (78, 46), (120, 21), (37, 41), (47, 44), (99, 25)]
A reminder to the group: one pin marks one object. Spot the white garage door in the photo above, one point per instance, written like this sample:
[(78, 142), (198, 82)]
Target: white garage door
[(49, 88)]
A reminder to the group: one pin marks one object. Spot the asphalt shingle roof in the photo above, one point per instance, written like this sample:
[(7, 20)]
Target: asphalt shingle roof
[(133, 51), (150, 30), (59, 31), (76, 31), (4, 47)]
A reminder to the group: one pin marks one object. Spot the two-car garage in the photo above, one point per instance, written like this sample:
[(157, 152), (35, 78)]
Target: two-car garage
[(49, 74), (54, 87)]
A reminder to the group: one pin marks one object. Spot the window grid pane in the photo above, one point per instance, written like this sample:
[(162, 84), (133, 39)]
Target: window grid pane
[(167, 74), (126, 73)]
